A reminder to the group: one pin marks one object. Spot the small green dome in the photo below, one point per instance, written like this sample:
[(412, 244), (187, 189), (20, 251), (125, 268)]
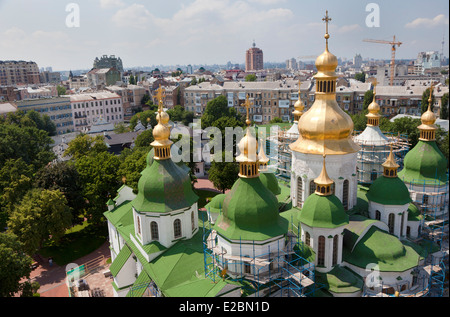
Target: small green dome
[(164, 187), (216, 204), (389, 191), (250, 212), (425, 162), (414, 213), (270, 181), (150, 156), (323, 212)]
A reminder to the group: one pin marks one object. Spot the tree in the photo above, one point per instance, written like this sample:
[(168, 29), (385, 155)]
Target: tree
[(276, 120), (223, 175), (215, 109), (98, 175), (361, 77), (14, 264), (144, 139), (143, 117), (444, 107), (64, 177), (132, 80), (132, 166), (145, 99), (368, 99), (84, 145), (251, 77), (425, 97), (40, 214), (61, 90)]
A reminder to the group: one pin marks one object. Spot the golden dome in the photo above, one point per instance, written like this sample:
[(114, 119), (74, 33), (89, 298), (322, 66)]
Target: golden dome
[(325, 127), (163, 118), (374, 107), (428, 118), (262, 157), (427, 128), (248, 147), (323, 182), (299, 106)]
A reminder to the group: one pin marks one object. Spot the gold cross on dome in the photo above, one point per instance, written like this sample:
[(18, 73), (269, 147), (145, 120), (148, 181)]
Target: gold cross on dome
[(430, 98), (326, 19), (160, 96), (247, 105)]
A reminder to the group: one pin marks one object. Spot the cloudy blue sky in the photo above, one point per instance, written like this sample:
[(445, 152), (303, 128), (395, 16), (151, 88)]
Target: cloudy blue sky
[(171, 32)]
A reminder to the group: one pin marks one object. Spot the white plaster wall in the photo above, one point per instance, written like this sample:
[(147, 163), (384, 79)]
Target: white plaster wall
[(127, 275), (339, 168), (385, 210)]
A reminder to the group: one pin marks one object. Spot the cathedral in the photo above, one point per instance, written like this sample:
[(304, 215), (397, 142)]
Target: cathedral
[(335, 238)]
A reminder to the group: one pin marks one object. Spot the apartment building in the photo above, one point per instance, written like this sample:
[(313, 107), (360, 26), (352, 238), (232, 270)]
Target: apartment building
[(131, 97), (35, 92), (58, 109), (90, 108), (18, 72), (197, 97), (254, 59), (103, 77)]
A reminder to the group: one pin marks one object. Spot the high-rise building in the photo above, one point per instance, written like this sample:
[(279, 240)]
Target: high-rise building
[(18, 72), (254, 59)]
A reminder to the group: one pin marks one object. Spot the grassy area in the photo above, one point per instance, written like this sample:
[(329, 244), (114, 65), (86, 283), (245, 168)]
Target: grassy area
[(78, 242)]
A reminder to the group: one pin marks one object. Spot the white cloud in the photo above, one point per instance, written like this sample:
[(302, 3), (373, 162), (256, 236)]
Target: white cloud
[(440, 19), (135, 16), (108, 4)]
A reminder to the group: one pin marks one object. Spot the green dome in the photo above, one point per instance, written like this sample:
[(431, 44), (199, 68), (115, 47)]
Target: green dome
[(270, 181), (382, 248), (425, 162), (414, 213), (250, 212), (389, 191), (164, 187), (216, 204), (150, 156), (323, 212)]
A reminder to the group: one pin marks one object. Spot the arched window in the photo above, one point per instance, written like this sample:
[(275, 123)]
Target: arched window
[(177, 228), (138, 225), (335, 249), (373, 175), (312, 187), (192, 221), (402, 224), (308, 239), (321, 252), (345, 194), (299, 192), (391, 223), (377, 215), (154, 230)]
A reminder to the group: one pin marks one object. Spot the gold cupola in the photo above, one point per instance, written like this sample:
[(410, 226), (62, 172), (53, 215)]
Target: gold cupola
[(325, 127), (299, 106), (263, 160), (161, 133), (427, 128), (248, 147), (324, 182), (390, 166), (373, 117)]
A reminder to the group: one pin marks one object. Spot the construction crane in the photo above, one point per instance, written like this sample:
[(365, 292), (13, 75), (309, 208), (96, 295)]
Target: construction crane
[(393, 44)]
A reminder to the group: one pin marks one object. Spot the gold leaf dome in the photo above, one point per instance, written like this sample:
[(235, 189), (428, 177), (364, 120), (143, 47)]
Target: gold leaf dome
[(325, 127), (163, 118), (428, 118), (248, 147)]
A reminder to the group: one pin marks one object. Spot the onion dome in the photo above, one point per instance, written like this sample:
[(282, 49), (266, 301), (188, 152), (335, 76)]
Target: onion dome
[(425, 162), (325, 127), (163, 186), (216, 204), (271, 182), (389, 189), (373, 117), (161, 133), (299, 106), (414, 213), (323, 209)]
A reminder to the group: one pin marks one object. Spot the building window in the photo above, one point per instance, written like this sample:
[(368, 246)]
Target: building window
[(312, 187), (308, 239), (345, 194), (335, 249), (299, 192), (177, 228), (321, 252), (402, 223), (193, 221), (138, 225), (154, 230), (377, 215), (391, 223)]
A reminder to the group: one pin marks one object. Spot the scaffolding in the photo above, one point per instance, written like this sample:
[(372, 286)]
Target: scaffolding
[(432, 199), (371, 156), (281, 272)]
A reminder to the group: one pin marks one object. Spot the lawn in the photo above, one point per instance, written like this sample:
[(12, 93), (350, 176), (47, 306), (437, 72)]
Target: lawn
[(77, 242)]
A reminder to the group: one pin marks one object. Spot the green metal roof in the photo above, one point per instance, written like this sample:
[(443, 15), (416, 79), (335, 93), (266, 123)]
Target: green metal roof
[(120, 260), (323, 212), (216, 204), (389, 191), (414, 213), (340, 280), (140, 285), (381, 248), (424, 163), (164, 187), (270, 181), (250, 212)]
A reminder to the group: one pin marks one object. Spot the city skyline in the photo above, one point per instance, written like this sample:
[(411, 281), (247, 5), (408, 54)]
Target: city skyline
[(182, 32)]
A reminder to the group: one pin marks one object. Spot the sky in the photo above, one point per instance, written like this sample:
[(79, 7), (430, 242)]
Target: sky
[(181, 32)]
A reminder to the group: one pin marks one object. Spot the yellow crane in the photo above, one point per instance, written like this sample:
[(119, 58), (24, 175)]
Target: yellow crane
[(394, 45)]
